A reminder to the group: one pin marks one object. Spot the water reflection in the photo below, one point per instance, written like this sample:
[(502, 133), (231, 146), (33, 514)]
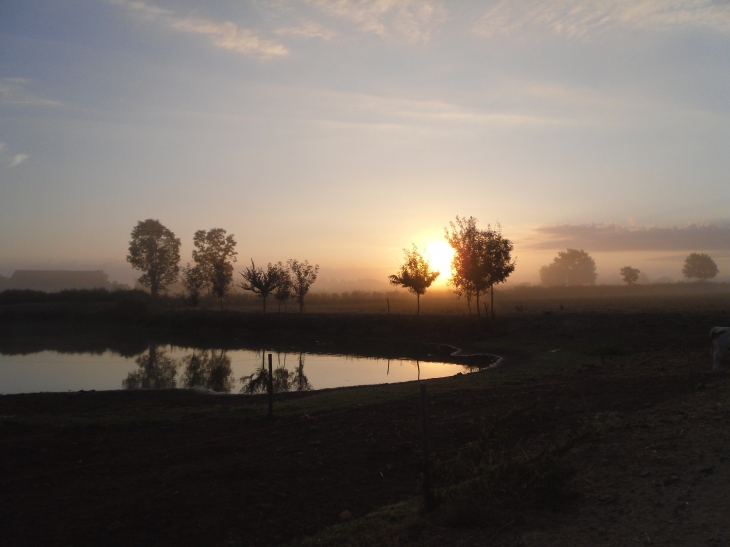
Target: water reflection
[(283, 379), (155, 371), (208, 369)]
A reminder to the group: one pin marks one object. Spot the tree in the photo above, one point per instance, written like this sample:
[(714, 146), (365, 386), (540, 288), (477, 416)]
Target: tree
[(570, 267), (214, 252), (156, 371), (260, 282), (700, 266), (303, 275), (497, 259), (285, 288), (630, 275), (210, 370), (414, 275), (482, 259), (154, 250), (194, 281), (466, 280)]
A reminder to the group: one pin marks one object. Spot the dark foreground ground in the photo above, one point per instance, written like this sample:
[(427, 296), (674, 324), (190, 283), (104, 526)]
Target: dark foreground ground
[(188, 468)]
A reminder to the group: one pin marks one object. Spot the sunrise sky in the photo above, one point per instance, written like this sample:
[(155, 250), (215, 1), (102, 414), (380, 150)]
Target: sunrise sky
[(342, 131)]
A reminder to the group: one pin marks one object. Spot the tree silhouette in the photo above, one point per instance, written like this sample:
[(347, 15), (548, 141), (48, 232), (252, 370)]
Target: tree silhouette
[(630, 275), (214, 252), (154, 250), (303, 275), (415, 275), (156, 371), (482, 259), (285, 289), (700, 266), (194, 281), (261, 283), (209, 370), (497, 259), (570, 267)]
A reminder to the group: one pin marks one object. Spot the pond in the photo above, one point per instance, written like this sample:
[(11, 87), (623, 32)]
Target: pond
[(224, 371)]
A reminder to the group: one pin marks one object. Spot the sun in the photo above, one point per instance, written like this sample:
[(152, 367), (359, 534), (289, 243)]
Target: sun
[(439, 255)]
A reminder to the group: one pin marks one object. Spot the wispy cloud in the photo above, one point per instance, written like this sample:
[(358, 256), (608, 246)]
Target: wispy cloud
[(609, 237), (581, 18), (15, 92), (412, 19), (10, 160), (224, 34), (308, 29)]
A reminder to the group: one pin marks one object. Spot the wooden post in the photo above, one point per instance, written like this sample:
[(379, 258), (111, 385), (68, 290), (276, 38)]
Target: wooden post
[(271, 388), (428, 500)]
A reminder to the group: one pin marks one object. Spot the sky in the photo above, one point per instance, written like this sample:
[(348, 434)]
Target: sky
[(343, 131)]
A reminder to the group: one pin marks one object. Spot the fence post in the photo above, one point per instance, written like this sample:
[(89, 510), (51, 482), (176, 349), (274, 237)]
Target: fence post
[(271, 388), (428, 499)]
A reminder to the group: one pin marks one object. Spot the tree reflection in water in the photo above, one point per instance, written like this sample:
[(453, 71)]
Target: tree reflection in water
[(283, 379), (209, 370), (156, 371)]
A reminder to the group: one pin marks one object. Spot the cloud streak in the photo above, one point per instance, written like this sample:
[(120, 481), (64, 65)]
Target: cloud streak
[(224, 34), (15, 92), (613, 237), (10, 160), (581, 18), (413, 20), (308, 29)]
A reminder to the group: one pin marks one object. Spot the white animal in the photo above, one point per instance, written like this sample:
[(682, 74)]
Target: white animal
[(720, 337)]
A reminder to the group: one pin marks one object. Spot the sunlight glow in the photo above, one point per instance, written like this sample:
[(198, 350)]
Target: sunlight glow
[(439, 255)]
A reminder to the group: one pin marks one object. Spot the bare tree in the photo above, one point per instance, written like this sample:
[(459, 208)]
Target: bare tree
[(414, 275), (155, 250), (261, 282), (214, 252), (303, 275)]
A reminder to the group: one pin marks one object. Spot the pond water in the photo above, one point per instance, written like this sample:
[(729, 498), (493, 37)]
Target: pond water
[(227, 371)]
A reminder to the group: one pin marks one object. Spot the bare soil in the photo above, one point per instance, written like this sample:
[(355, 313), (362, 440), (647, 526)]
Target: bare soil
[(91, 468)]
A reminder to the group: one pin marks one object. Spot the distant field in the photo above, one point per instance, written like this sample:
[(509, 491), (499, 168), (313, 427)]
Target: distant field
[(674, 297)]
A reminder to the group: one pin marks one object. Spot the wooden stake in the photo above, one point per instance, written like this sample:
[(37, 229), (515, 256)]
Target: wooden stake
[(271, 388)]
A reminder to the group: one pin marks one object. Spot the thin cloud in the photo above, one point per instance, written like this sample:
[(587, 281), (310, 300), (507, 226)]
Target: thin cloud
[(10, 160), (224, 34), (611, 237), (308, 29), (411, 19), (15, 92), (581, 18)]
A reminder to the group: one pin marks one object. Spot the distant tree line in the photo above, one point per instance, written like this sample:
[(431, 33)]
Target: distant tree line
[(574, 267), (155, 250)]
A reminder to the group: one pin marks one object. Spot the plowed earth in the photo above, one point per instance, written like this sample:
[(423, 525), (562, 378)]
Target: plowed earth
[(657, 472)]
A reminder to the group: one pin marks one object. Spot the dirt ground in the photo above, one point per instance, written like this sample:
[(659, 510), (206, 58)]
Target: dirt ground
[(91, 468)]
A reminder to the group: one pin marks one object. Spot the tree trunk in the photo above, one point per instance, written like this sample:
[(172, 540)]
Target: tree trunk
[(418, 302), (264, 299), (479, 312), (492, 308)]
